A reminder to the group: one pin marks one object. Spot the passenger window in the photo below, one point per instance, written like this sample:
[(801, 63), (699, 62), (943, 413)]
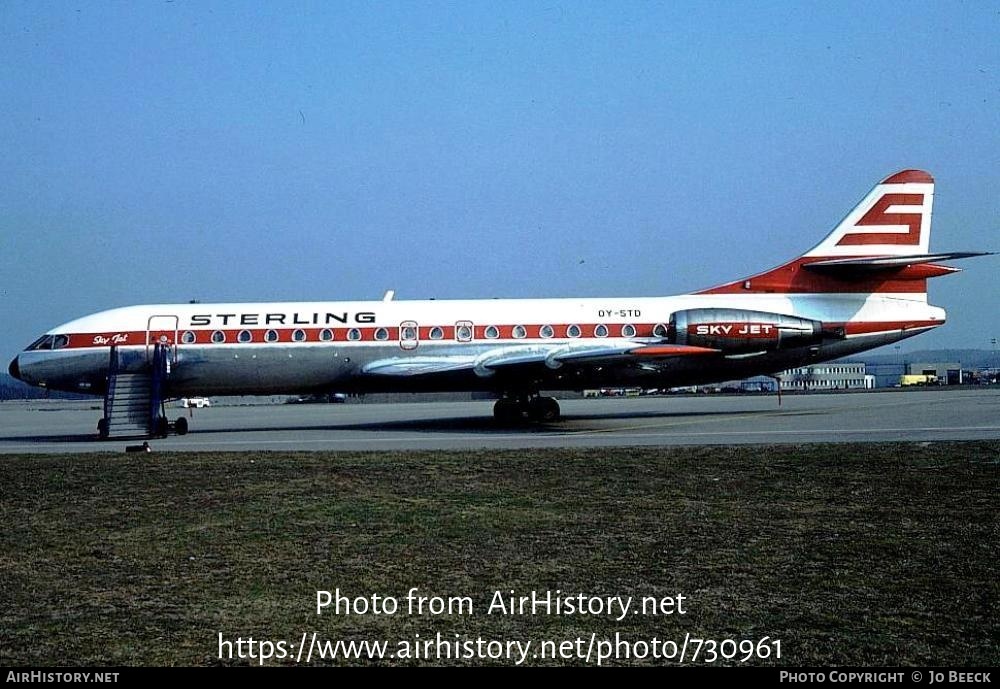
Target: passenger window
[(218, 337), (353, 334), (299, 336), (271, 336), (381, 334), (244, 336), (573, 331), (492, 332), (188, 337), (519, 332), (660, 330), (463, 331), (437, 333), (326, 335), (601, 330), (628, 330), (546, 331)]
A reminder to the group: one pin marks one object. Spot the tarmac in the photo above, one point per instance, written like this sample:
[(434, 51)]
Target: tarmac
[(51, 426)]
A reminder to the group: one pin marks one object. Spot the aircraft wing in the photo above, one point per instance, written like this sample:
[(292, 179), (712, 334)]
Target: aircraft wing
[(405, 367), (511, 359)]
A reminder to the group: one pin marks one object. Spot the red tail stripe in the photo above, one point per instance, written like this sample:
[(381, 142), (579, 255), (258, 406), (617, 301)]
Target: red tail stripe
[(877, 217), (909, 176), (872, 327)]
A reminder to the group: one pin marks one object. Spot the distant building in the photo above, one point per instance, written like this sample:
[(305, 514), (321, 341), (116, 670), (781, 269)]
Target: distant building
[(886, 375), (946, 373), (758, 384), (827, 376)]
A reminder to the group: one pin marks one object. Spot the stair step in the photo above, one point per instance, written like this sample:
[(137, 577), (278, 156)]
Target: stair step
[(130, 411), (129, 418), (130, 397)]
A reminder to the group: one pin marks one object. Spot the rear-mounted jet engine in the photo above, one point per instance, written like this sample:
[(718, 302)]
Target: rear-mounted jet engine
[(738, 331)]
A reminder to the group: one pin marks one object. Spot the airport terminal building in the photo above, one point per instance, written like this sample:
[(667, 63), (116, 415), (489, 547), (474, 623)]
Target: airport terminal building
[(828, 376), (851, 375)]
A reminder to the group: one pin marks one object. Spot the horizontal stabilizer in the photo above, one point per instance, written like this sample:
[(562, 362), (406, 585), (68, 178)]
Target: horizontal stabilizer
[(875, 263)]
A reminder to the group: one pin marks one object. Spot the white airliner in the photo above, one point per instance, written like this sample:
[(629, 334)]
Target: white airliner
[(863, 286)]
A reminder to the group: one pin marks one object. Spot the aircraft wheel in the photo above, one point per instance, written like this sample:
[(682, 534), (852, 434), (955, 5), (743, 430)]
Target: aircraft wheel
[(507, 410), (102, 429), (181, 426), (543, 409)]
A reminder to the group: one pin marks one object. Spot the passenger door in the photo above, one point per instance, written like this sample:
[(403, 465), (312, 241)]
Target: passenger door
[(162, 330)]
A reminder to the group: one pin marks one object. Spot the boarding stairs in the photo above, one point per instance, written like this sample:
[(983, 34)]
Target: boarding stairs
[(133, 403)]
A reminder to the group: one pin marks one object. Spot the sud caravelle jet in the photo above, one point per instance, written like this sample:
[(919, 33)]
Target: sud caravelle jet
[(864, 286)]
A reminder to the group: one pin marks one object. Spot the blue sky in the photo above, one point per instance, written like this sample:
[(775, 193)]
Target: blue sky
[(163, 151)]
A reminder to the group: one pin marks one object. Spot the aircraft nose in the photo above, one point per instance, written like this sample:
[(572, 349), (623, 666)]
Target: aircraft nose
[(14, 369)]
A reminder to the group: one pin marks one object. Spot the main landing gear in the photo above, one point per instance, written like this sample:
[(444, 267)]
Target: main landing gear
[(163, 427), (535, 408)]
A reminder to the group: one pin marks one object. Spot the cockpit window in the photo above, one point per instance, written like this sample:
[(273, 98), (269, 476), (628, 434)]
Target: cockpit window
[(43, 342), (60, 341)]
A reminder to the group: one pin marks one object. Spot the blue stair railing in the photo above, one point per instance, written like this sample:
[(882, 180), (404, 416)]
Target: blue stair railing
[(157, 413)]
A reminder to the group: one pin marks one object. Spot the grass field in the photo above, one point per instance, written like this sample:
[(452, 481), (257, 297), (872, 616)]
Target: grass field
[(864, 554)]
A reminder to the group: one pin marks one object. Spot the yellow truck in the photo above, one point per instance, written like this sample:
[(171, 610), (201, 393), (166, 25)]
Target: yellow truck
[(915, 379)]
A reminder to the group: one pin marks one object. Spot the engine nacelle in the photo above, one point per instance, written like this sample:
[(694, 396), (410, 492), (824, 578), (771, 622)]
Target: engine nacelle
[(740, 331)]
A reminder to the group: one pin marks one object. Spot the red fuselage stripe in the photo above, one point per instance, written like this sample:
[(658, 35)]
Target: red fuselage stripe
[(391, 334)]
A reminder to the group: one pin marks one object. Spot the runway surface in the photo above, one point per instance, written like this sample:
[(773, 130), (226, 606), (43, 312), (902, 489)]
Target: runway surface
[(923, 415)]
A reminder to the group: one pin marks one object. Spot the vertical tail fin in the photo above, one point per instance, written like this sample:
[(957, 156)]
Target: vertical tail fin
[(889, 231), (894, 219)]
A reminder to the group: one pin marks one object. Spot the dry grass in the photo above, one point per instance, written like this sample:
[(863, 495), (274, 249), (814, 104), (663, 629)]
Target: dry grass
[(868, 554)]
